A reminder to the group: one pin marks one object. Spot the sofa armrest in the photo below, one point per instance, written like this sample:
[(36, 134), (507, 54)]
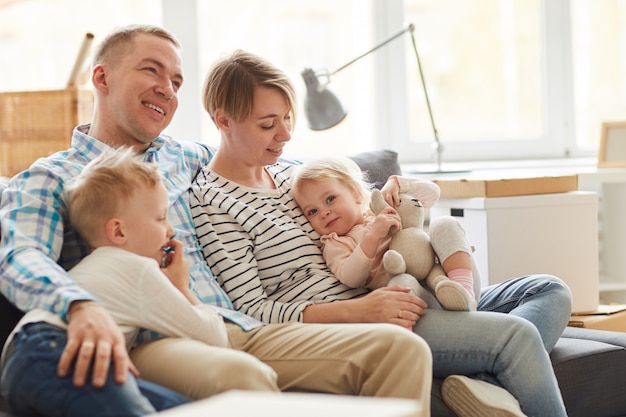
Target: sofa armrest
[(612, 338), (590, 366)]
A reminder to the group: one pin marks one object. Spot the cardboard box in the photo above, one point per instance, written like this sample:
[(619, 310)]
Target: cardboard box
[(554, 233), (607, 317), (505, 187), (36, 124)]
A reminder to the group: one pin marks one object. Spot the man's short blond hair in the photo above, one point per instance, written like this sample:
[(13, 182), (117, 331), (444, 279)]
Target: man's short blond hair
[(119, 43), (104, 187)]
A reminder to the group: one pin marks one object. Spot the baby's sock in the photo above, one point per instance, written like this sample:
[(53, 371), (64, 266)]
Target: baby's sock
[(463, 277)]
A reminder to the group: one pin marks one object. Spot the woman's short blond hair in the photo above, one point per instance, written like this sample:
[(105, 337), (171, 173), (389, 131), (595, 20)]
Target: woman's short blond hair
[(104, 187), (230, 84), (343, 169)]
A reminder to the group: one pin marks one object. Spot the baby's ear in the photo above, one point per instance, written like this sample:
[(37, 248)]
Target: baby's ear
[(377, 202)]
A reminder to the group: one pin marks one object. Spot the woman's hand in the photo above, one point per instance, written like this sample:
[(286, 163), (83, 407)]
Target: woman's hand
[(396, 305)]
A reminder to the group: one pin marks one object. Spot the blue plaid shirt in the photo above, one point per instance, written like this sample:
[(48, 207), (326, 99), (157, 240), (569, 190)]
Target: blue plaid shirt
[(38, 245)]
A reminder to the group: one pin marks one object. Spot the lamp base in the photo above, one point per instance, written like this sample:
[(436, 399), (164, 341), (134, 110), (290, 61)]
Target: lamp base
[(439, 171)]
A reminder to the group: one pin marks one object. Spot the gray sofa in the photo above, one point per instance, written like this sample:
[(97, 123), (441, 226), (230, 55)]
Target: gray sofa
[(590, 365)]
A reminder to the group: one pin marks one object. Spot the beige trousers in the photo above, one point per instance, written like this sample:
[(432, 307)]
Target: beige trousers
[(380, 360)]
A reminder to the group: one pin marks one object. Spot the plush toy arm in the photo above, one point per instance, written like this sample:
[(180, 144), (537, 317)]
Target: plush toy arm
[(377, 202)]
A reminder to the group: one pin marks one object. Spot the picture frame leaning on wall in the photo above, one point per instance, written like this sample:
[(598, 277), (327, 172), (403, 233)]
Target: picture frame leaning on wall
[(612, 152)]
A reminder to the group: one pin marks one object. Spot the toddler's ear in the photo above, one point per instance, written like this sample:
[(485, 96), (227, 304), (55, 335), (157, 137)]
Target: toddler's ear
[(114, 230)]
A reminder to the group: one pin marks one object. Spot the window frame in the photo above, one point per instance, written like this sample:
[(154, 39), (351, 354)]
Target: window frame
[(391, 127), (557, 140)]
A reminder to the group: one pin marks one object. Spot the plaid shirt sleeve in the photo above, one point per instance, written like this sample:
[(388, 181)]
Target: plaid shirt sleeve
[(33, 213), (37, 244)]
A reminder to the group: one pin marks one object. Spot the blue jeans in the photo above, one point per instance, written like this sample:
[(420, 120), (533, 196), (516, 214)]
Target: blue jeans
[(32, 388), (543, 300), (509, 350)]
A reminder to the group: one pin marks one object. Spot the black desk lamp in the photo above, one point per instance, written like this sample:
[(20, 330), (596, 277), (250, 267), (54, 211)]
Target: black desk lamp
[(323, 109)]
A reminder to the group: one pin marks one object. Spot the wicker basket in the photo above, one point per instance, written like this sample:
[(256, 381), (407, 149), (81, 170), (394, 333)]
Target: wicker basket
[(35, 124)]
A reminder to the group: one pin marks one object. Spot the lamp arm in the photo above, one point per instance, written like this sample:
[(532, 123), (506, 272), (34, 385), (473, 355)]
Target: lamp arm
[(438, 146), (410, 28)]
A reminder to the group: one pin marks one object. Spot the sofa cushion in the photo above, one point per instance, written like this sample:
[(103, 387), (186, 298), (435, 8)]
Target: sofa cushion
[(590, 366), (378, 165)]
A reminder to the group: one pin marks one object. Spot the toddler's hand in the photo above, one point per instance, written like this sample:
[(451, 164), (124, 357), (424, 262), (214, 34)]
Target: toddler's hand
[(391, 191), (385, 222), (176, 266)]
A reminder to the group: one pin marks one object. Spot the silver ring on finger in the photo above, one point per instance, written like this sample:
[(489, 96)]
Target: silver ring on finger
[(88, 345)]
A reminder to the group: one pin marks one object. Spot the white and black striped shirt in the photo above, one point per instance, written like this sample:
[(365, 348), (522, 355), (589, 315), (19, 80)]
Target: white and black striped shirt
[(261, 248)]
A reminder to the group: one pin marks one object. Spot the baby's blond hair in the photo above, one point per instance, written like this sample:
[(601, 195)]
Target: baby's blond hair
[(343, 169)]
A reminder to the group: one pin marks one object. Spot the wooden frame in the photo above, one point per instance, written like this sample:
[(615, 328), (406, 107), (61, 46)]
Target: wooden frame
[(612, 153)]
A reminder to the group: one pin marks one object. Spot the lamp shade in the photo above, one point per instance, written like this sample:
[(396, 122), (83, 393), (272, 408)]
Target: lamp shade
[(322, 108)]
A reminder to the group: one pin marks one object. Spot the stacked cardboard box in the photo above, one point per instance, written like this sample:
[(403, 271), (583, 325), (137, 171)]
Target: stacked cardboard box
[(505, 187), (607, 317)]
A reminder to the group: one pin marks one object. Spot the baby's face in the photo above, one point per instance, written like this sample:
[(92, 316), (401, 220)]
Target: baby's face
[(329, 206)]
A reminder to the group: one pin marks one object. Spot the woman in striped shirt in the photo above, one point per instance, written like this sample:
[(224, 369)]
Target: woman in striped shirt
[(267, 258)]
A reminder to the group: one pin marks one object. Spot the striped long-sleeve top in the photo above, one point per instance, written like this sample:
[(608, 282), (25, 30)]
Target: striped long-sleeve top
[(261, 248)]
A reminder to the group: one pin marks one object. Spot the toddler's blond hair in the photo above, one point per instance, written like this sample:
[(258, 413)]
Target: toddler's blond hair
[(103, 188), (343, 169)]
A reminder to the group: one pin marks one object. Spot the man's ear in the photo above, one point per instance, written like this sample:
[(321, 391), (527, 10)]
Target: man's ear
[(98, 78), (114, 230), (222, 120)]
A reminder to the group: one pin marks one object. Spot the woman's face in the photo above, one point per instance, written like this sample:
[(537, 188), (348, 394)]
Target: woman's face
[(260, 138)]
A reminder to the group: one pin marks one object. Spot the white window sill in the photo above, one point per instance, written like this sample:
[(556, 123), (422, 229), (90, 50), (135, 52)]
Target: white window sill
[(513, 168)]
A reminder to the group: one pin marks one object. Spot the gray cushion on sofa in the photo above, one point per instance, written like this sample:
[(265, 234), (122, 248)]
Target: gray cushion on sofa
[(378, 165), (591, 368)]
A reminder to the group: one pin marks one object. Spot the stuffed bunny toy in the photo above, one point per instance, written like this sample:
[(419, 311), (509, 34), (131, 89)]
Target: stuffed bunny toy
[(411, 257)]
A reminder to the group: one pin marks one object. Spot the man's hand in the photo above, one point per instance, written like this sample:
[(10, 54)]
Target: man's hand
[(93, 338)]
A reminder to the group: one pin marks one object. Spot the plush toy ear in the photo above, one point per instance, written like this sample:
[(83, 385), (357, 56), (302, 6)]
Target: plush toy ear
[(377, 203)]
